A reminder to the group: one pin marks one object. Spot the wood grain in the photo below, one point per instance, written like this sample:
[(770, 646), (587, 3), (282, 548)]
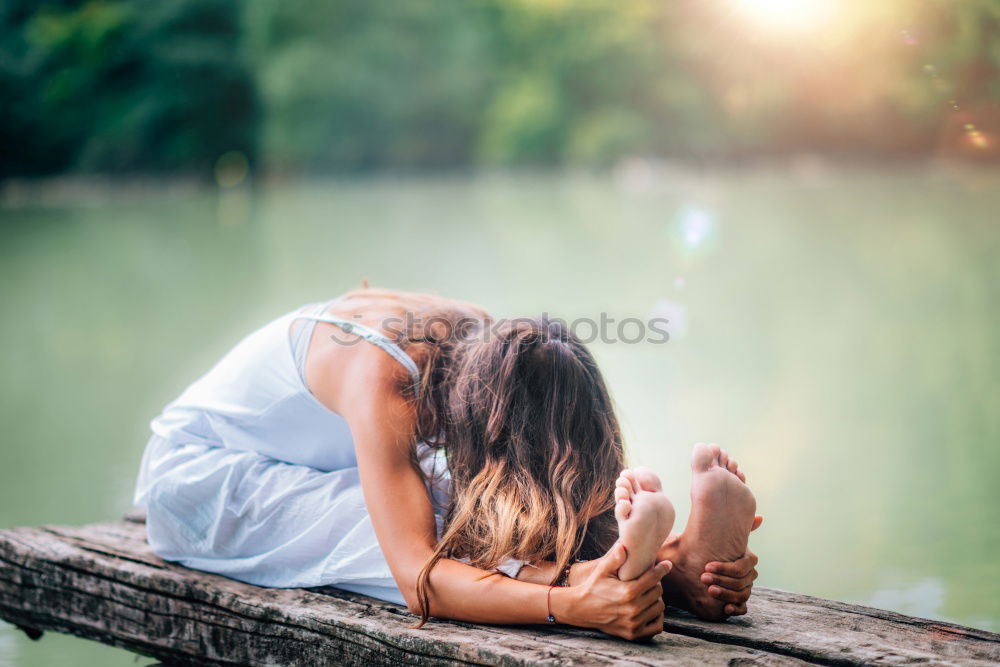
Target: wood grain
[(102, 582)]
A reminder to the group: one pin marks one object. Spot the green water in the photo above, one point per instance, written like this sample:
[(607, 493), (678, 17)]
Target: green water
[(839, 336)]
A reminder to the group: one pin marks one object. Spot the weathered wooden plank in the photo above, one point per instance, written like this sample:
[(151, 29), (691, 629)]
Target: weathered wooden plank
[(836, 633), (103, 582)]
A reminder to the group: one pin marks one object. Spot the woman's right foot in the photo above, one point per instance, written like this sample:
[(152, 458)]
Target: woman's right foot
[(645, 516), (722, 515)]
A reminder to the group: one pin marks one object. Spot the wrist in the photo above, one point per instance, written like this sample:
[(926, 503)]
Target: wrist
[(561, 602), (579, 572)]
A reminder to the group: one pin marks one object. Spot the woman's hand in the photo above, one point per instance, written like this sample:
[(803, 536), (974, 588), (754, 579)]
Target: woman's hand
[(627, 609), (732, 582)]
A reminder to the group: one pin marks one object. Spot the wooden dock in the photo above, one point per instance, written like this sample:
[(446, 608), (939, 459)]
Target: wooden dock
[(102, 582)]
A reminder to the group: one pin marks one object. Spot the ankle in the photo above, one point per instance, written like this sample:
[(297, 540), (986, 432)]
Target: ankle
[(685, 568), (672, 549)]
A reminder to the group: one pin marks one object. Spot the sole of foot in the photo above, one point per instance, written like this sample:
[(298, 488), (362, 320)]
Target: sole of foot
[(645, 516), (722, 515)]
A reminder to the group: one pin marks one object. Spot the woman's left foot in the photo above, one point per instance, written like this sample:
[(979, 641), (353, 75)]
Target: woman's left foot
[(645, 516), (722, 516)]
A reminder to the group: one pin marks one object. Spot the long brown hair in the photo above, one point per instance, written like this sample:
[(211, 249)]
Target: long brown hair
[(532, 445)]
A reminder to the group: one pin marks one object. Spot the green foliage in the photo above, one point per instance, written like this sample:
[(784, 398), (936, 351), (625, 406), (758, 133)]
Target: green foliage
[(121, 85), (115, 85), (357, 84)]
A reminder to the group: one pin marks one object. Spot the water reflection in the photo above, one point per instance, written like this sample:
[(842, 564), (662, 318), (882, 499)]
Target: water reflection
[(8, 647), (924, 598)]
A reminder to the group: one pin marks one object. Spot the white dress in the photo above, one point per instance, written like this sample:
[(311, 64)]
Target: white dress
[(248, 475)]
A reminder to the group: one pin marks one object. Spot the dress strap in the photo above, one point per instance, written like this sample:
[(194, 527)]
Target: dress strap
[(300, 346), (372, 336)]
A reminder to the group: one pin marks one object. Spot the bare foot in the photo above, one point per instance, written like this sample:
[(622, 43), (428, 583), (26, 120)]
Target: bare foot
[(645, 516), (722, 515)]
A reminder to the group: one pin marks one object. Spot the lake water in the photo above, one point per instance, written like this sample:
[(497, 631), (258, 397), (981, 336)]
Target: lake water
[(835, 329)]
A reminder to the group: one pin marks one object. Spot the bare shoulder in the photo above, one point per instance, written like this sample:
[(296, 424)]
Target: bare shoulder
[(358, 380), (362, 382), (367, 302)]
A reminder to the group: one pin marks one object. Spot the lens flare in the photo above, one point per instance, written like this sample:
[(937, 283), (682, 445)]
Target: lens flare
[(976, 138), (231, 169), (787, 15), (696, 225)]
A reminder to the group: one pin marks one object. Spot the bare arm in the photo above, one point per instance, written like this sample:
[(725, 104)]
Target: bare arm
[(544, 571), (382, 425)]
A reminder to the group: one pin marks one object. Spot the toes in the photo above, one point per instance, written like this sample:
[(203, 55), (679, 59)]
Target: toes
[(734, 468), (625, 483), (723, 458), (647, 479), (622, 492), (703, 456), (623, 508), (629, 477)]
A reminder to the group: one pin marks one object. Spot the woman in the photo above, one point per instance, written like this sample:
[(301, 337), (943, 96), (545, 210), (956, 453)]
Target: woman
[(396, 445)]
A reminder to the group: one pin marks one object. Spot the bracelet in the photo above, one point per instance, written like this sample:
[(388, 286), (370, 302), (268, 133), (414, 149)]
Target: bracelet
[(561, 582), (563, 579)]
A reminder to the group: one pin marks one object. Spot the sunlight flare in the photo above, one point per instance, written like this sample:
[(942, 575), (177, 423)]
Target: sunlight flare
[(787, 15)]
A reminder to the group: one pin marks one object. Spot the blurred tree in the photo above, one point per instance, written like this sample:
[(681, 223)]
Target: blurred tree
[(115, 85), (360, 84), (123, 85)]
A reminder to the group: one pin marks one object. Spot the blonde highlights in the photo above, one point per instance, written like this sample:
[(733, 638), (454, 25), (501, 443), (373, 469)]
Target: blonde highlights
[(533, 448), (528, 427)]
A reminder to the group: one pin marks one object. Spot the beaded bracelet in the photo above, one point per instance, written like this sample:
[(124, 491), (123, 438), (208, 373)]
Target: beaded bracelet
[(563, 579), (561, 582)]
